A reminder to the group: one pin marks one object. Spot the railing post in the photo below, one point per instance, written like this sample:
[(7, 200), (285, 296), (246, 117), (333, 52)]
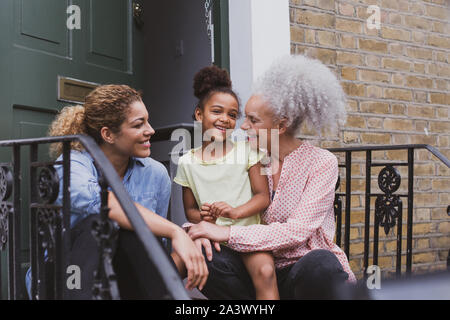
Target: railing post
[(33, 221), (14, 229), (348, 198), (410, 210), (398, 265), (367, 211), (65, 220), (338, 213), (105, 281), (6, 207)]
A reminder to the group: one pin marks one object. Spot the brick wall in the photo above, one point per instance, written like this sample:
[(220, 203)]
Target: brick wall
[(397, 80)]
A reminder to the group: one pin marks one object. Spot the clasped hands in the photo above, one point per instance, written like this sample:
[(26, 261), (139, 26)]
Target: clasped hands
[(208, 230), (210, 212)]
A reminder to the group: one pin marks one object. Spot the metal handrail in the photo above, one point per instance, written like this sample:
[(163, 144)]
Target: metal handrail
[(432, 149), (387, 192), (153, 248)]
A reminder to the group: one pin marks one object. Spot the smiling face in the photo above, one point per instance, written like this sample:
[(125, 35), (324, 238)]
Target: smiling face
[(218, 116), (258, 123), (135, 132)]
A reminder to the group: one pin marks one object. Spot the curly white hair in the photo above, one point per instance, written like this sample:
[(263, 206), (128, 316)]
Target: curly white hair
[(299, 88)]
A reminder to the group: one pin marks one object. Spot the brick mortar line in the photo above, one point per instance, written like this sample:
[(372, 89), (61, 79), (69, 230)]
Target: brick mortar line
[(363, 4), (374, 53), (377, 115), (391, 161), (434, 234), (388, 254), (360, 226), (417, 161), (399, 117), (420, 192), (358, 240), (395, 101), (405, 208), (403, 267), (388, 10), (372, 37), (361, 194), (370, 68), (355, 129), (421, 236), (314, 137), (371, 130), (373, 175), (393, 86)]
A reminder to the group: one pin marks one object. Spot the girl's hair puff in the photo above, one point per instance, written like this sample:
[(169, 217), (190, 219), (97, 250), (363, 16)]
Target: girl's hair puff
[(211, 80)]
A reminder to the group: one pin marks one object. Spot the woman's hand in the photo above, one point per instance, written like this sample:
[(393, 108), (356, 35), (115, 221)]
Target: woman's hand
[(223, 209), (206, 243), (192, 257), (210, 231)]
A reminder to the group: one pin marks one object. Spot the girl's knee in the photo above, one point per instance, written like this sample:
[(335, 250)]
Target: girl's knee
[(266, 271)]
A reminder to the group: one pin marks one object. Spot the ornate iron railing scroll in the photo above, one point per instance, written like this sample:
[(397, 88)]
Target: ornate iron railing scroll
[(388, 205), (50, 224)]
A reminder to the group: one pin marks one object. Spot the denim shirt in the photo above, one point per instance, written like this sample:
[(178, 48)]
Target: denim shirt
[(146, 181)]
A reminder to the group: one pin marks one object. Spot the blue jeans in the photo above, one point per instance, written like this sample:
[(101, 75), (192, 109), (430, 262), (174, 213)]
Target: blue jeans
[(314, 276)]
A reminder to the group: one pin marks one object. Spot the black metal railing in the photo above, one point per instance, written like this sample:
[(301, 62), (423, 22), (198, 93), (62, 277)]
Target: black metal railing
[(388, 209), (50, 224)]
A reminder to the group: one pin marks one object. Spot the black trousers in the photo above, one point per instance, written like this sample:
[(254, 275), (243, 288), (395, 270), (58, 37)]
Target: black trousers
[(137, 277), (314, 276)]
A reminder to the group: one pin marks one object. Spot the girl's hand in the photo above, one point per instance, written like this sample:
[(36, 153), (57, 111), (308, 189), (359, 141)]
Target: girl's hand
[(197, 271), (205, 213), (210, 231), (206, 243), (223, 209)]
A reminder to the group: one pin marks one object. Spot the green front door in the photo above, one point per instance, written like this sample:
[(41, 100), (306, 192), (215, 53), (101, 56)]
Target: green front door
[(38, 45)]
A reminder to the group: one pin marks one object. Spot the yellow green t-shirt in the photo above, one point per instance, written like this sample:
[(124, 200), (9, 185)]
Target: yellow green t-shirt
[(223, 179)]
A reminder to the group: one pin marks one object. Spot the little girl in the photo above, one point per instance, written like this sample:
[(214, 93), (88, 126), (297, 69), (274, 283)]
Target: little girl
[(222, 180)]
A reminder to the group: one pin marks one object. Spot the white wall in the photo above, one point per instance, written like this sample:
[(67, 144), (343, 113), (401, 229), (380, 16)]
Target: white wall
[(259, 33)]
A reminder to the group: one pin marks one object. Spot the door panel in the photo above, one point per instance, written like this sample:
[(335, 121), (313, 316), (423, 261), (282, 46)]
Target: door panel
[(102, 23), (107, 48), (36, 47), (38, 26)]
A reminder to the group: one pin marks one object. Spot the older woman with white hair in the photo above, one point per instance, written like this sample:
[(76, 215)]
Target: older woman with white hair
[(299, 224)]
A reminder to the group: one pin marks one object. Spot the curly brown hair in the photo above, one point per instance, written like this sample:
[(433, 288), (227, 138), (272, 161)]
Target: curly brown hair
[(211, 80), (105, 106)]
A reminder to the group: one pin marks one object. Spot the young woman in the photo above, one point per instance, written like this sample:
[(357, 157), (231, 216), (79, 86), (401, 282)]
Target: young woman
[(299, 223), (117, 119), (222, 180)]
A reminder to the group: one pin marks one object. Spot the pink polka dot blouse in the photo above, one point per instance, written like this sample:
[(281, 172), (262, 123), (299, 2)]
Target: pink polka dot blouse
[(301, 215)]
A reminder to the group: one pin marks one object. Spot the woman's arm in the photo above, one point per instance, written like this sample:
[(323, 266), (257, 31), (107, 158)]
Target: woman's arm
[(257, 204), (315, 205), (314, 210), (181, 243), (157, 224)]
